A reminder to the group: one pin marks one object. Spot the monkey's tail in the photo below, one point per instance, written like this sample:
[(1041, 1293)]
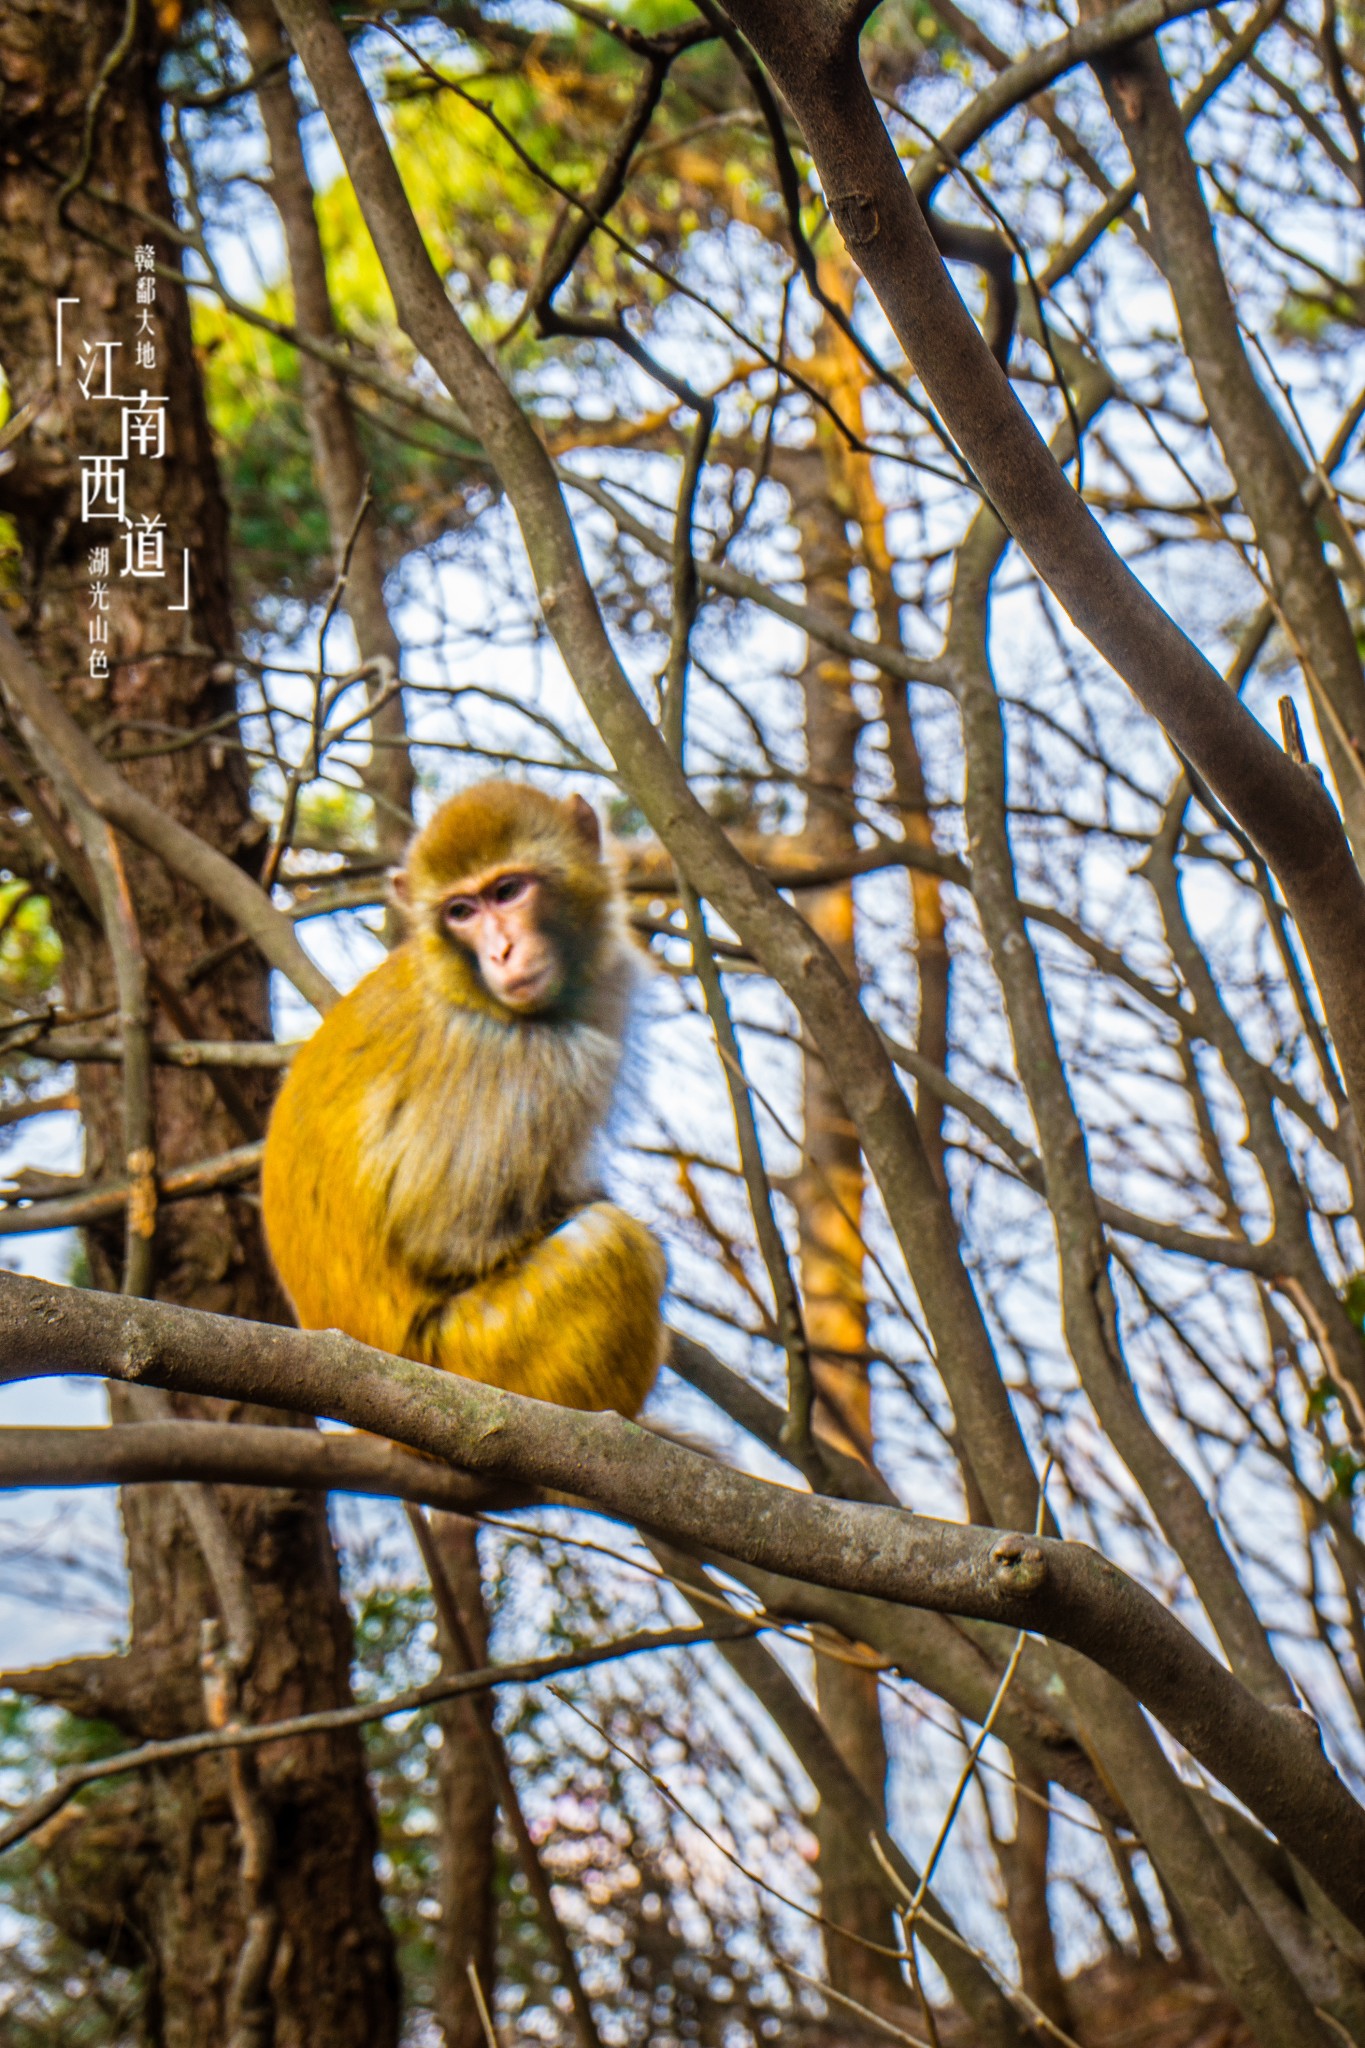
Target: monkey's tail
[(575, 1320)]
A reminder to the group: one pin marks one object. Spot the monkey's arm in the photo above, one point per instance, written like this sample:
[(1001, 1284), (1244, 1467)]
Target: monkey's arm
[(323, 1191), (575, 1319)]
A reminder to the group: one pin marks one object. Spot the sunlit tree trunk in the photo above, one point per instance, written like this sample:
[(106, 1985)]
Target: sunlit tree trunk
[(829, 1202), (849, 380)]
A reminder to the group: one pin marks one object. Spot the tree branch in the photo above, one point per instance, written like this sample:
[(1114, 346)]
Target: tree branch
[(812, 52), (1270, 1758), (778, 936), (56, 739), (330, 1720), (1030, 74)]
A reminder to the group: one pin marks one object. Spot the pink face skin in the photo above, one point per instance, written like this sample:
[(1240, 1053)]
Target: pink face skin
[(503, 925)]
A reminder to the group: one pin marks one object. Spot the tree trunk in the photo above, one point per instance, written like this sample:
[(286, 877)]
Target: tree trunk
[(338, 460), (175, 1870), (829, 1201)]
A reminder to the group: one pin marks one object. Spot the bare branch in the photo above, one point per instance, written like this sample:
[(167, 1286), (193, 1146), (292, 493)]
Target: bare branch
[(1268, 1757), (59, 742), (1284, 810), (180, 1748)]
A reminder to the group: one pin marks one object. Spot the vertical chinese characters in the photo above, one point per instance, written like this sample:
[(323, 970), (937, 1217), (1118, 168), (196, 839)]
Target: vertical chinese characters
[(109, 476)]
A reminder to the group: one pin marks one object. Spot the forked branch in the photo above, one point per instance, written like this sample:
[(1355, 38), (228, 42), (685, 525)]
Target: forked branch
[(1269, 1758)]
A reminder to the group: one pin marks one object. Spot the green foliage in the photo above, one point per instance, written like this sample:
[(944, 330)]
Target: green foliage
[(487, 211), (1316, 318), (333, 820), (282, 542), (11, 555), (901, 35), (1346, 1466), (625, 819), (63, 1740), (30, 950), (30, 968)]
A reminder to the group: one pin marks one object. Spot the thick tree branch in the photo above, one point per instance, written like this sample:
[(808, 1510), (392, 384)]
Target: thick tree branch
[(812, 52), (242, 1454), (1268, 472), (1269, 1758), (928, 1648), (777, 935), (1089, 1310)]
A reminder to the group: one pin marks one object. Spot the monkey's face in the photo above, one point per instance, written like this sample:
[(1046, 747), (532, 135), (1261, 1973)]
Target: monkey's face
[(508, 924)]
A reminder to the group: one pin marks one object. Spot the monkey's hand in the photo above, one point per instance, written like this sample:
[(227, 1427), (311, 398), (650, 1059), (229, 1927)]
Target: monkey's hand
[(574, 1319)]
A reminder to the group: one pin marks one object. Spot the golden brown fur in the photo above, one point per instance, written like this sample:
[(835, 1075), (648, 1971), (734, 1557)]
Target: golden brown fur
[(429, 1182)]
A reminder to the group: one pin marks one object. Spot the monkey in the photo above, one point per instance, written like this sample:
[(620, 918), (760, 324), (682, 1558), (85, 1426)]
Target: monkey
[(428, 1183)]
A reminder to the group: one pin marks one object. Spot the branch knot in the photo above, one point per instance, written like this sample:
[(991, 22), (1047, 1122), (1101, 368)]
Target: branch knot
[(1020, 1562), (856, 217)]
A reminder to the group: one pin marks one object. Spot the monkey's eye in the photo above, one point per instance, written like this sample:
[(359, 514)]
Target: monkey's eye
[(459, 910), (510, 889)]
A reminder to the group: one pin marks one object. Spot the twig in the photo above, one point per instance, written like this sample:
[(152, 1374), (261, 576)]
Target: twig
[(192, 1053), (331, 1720), (63, 748), (461, 1651), (481, 2006), (969, 1766), (106, 1198), (323, 701), (673, 721), (864, 2012)]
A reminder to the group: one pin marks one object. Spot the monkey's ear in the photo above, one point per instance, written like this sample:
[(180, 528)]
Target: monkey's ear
[(401, 887), (584, 823)]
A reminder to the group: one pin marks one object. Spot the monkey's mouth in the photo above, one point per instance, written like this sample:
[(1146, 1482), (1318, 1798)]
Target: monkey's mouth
[(528, 990)]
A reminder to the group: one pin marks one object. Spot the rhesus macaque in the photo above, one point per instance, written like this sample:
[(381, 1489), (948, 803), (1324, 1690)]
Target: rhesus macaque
[(429, 1180)]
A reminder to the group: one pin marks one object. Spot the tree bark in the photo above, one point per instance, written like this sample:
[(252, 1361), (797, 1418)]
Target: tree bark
[(332, 1980), (338, 460)]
